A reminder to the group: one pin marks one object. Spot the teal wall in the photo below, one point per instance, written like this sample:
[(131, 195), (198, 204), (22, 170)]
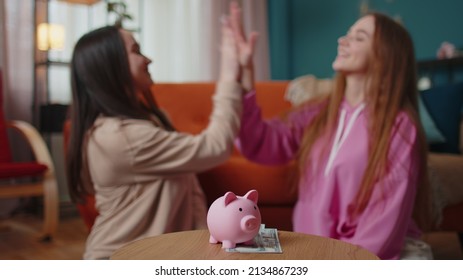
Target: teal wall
[(303, 33)]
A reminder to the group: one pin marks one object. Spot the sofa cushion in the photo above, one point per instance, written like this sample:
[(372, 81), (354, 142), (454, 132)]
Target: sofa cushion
[(240, 175), (444, 104), (13, 170), (307, 87), (433, 134), (189, 105)]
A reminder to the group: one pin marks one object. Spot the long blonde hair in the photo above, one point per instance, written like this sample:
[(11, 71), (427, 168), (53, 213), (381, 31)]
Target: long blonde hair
[(391, 89)]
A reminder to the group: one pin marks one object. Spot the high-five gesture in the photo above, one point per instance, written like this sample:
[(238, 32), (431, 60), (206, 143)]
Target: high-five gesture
[(245, 47), (229, 65)]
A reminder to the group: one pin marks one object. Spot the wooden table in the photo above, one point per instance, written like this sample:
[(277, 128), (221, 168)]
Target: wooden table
[(194, 245)]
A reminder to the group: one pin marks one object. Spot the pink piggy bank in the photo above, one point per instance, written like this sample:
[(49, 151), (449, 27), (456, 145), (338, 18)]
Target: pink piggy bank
[(234, 219)]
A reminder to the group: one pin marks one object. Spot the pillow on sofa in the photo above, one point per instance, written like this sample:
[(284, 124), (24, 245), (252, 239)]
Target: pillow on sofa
[(433, 134), (444, 104), (307, 87)]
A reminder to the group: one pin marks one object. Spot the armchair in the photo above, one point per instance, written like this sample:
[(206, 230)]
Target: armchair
[(27, 179)]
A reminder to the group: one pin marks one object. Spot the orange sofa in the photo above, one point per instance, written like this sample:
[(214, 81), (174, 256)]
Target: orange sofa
[(189, 105)]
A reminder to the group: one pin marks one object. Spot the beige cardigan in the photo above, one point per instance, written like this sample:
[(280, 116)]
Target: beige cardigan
[(144, 176)]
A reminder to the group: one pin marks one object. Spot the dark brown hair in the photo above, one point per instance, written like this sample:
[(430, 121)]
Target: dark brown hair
[(101, 85)]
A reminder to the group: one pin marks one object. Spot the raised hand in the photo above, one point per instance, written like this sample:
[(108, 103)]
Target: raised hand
[(229, 66), (245, 47)]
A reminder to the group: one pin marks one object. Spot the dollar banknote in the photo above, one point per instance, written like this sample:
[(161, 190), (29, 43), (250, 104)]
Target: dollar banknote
[(265, 242)]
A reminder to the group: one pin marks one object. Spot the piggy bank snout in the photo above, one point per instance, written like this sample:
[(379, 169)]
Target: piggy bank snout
[(249, 223)]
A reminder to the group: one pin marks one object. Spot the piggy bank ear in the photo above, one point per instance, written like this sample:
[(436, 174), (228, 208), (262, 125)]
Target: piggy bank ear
[(252, 195), (229, 197)]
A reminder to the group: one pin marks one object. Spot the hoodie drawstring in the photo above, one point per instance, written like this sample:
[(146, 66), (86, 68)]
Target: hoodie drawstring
[(338, 140)]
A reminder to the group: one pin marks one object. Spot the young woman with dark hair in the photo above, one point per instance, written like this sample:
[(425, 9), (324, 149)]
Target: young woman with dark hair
[(124, 150)]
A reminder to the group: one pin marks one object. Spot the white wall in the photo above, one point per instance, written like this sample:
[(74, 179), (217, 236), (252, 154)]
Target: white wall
[(19, 58)]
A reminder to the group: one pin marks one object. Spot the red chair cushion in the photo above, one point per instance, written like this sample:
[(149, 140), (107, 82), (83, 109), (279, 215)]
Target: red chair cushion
[(5, 154), (21, 169)]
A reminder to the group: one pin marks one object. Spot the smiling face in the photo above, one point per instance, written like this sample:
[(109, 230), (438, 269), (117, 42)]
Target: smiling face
[(138, 63), (354, 49)]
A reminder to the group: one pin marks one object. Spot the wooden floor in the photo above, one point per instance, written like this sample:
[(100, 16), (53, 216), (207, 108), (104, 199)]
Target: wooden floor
[(19, 240)]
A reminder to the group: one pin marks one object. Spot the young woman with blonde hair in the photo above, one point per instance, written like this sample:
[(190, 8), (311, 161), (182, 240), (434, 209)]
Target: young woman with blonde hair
[(361, 150)]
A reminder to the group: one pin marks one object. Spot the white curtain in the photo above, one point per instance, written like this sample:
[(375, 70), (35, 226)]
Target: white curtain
[(182, 38), (18, 59)]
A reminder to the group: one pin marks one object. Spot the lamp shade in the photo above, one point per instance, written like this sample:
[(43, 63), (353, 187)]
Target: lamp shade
[(50, 37), (84, 2)]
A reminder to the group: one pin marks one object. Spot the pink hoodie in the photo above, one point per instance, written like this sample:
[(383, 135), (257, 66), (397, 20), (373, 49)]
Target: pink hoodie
[(330, 184)]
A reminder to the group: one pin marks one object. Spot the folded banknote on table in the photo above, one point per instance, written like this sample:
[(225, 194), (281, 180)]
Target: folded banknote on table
[(265, 242)]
